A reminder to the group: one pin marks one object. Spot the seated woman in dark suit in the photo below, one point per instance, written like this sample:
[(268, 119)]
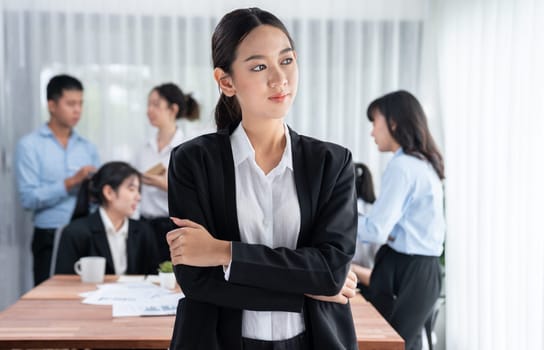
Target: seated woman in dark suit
[(128, 245)]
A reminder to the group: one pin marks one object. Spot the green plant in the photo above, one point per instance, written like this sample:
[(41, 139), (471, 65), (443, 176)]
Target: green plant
[(166, 266)]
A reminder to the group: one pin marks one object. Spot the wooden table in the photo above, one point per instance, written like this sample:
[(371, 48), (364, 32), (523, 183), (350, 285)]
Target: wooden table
[(52, 315), (373, 331), (63, 287), (69, 323)]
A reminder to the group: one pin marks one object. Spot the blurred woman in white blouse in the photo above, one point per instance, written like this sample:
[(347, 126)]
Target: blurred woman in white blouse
[(165, 105)]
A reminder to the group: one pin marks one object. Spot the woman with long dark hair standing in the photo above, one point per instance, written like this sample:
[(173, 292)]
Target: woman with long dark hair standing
[(408, 216)]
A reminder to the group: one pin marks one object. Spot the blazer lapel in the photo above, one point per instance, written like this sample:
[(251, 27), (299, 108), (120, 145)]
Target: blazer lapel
[(133, 248), (100, 240), (228, 206), (302, 181)]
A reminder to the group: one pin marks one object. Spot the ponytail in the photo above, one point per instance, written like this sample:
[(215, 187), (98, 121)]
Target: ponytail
[(83, 199), (192, 108), (364, 184), (227, 111), (187, 106)]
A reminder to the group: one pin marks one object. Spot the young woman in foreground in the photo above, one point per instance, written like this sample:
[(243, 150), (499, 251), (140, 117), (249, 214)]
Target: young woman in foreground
[(267, 217)]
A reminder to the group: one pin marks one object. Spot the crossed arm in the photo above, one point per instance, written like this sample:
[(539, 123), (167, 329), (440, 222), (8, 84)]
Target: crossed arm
[(193, 245)]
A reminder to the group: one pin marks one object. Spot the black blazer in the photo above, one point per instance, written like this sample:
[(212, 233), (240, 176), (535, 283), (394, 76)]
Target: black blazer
[(87, 237), (201, 187)]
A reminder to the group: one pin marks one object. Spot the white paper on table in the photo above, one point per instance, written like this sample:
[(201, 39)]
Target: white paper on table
[(134, 299), (130, 292), (160, 306)]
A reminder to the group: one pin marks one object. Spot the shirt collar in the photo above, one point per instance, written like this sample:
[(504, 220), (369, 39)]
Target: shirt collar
[(398, 152), (46, 131), (242, 148), (176, 140), (108, 226), (287, 158)]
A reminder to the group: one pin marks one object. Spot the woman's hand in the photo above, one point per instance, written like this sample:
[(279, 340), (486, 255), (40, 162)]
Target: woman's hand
[(159, 181), (349, 290), (362, 273), (193, 245)]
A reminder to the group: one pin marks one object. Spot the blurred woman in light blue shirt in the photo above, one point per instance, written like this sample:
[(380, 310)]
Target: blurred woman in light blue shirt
[(407, 216)]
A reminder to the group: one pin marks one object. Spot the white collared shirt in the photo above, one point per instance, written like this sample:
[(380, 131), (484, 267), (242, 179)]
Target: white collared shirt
[(117, 240), (269, 214), (154, 201)]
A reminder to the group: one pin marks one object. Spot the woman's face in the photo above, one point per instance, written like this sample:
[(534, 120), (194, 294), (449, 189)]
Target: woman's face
[(264, 74), (125, 200), (158, 111), (381, 134)]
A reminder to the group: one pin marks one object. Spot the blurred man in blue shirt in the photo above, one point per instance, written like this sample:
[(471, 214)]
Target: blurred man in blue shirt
[(51, 163)]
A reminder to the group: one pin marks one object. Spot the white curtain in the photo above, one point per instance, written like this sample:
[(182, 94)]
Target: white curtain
[(491, 55), (350, 52)]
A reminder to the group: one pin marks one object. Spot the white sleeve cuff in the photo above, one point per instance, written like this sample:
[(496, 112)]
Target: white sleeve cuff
[(226, 268)]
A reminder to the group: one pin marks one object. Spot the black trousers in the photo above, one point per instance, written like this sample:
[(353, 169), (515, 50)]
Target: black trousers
[(160, 227), (404, 289), (299, 342), (42, 249)]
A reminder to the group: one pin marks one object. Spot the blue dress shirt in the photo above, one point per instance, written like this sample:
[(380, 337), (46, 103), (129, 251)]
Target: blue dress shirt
[(408, 214), (41, 165)]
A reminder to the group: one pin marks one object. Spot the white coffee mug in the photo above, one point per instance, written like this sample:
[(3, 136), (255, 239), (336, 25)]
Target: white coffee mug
[(91, 269)]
